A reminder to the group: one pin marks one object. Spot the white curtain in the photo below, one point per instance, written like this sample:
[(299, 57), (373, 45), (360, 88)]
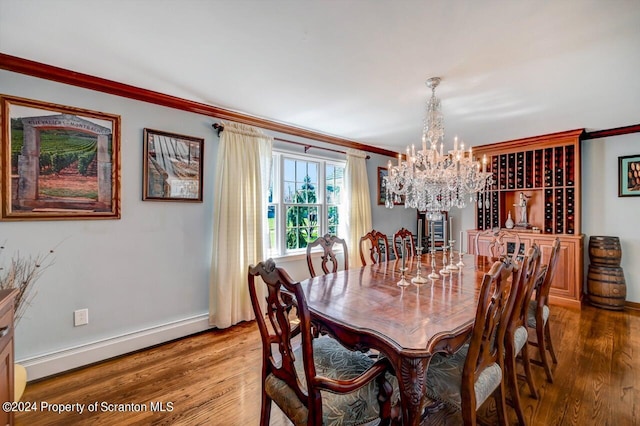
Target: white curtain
[(240, 230), (358, 203)]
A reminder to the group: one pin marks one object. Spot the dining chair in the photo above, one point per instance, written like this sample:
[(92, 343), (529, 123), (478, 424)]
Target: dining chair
[(327, 242), (498, 243), (314, 381), (466, 379), (538, 313), (517, 334), (379, 247), (400, 238)]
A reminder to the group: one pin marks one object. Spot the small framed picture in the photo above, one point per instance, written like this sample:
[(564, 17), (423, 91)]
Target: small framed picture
[(172, 167), (58, 162), (629, 176)]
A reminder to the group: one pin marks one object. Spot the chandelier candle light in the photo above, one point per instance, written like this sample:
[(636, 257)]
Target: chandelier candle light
[(430, 179)]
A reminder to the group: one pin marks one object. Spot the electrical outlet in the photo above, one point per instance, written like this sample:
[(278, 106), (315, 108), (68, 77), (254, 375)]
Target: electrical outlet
[(80, 317)]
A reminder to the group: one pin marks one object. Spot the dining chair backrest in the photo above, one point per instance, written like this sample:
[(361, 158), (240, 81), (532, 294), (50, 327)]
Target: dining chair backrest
[(403, 236), (289, 373), (499, 243), (486, 345), (546, 278), (277, 327), (327, 243), (378, 247), (530, 268)]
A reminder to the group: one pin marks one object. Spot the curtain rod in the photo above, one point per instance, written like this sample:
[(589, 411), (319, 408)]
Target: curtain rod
[(220, 127)]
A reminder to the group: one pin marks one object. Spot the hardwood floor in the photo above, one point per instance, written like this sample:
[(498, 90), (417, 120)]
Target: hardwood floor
[(213, 378)]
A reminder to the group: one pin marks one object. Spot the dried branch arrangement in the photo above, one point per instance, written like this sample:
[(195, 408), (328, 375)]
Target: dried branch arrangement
[(21, 273)]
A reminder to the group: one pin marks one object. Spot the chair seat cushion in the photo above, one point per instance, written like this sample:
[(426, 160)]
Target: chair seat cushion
[(520, 338), (334, 361), (531, 315), (444, 379)]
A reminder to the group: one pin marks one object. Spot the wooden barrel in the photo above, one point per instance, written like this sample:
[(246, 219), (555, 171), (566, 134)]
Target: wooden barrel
[(605, 251), (606, 286)]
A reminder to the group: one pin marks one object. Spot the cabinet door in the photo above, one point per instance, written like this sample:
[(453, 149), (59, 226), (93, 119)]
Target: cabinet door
[(564, 283), (6, 381)]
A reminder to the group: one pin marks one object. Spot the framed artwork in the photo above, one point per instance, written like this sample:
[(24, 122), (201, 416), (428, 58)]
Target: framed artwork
[(172, 167), (629, 176), (58, 162), (382, 193)]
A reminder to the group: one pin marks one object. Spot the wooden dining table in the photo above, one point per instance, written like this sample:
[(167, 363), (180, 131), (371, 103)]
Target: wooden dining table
[(364, 308)]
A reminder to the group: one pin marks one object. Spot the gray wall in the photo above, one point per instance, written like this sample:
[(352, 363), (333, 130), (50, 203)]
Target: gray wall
[(603, 212), (144, 278), (147, 269)]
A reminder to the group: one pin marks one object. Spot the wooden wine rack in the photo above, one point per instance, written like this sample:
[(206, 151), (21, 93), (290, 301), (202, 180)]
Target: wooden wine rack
[(547, 170)]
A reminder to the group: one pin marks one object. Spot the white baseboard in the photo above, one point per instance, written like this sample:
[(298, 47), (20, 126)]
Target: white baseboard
[(57, 362)]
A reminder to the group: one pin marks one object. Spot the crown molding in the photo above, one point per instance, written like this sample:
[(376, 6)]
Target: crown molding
[(86, 81)]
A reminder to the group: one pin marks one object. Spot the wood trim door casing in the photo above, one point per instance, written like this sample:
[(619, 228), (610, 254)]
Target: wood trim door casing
[(86, 81)]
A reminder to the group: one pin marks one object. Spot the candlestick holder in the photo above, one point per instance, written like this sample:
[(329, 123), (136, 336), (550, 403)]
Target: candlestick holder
[(460, 262), (445, 261), (433, 275), (419, 279), (403, 282), (452, 266)]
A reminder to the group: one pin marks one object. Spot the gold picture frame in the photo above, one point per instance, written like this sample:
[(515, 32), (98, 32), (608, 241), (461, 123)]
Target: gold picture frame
[(58, 162)]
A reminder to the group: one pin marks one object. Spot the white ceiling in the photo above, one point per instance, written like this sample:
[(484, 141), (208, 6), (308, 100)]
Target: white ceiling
[(357, 69)]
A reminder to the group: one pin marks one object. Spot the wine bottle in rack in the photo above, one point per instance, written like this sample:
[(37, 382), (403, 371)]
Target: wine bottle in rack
[(529, 169), (511, 173), (559, 211), (559, 166), (570, 201), (520, 170), (548, 167), (538, 169), (503, 171), (548, 211), (569, 165)]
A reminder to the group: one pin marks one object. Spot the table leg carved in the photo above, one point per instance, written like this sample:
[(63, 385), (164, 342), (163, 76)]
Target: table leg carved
[(412, 381)]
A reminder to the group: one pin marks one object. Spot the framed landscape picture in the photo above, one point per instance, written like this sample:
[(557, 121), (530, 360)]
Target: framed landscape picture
[(58, 162), (172, 167), (629, 176)]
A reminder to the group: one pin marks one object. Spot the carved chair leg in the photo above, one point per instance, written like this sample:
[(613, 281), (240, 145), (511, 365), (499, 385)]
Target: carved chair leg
[(526, 362), (265, 411), (501, 405), (512, 380), (384, 399), (547, 334), (543, 352)]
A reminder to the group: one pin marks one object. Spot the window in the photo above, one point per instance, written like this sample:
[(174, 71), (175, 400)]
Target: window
[(304, 198)]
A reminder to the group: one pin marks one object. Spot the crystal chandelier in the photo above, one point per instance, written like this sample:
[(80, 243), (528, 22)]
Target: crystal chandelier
[(433, 180)]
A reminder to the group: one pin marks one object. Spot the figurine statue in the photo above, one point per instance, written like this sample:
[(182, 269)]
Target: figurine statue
[(523, 201)]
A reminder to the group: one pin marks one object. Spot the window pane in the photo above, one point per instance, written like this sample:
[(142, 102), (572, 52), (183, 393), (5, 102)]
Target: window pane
[(289, 191), (302, 226), (312, 172), (333, 219), (271, 181), (271, 219), (334, 183), (289, 172)]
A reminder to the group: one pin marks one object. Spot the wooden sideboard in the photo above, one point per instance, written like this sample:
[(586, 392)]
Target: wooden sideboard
[(566, 288), (7, 298)]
